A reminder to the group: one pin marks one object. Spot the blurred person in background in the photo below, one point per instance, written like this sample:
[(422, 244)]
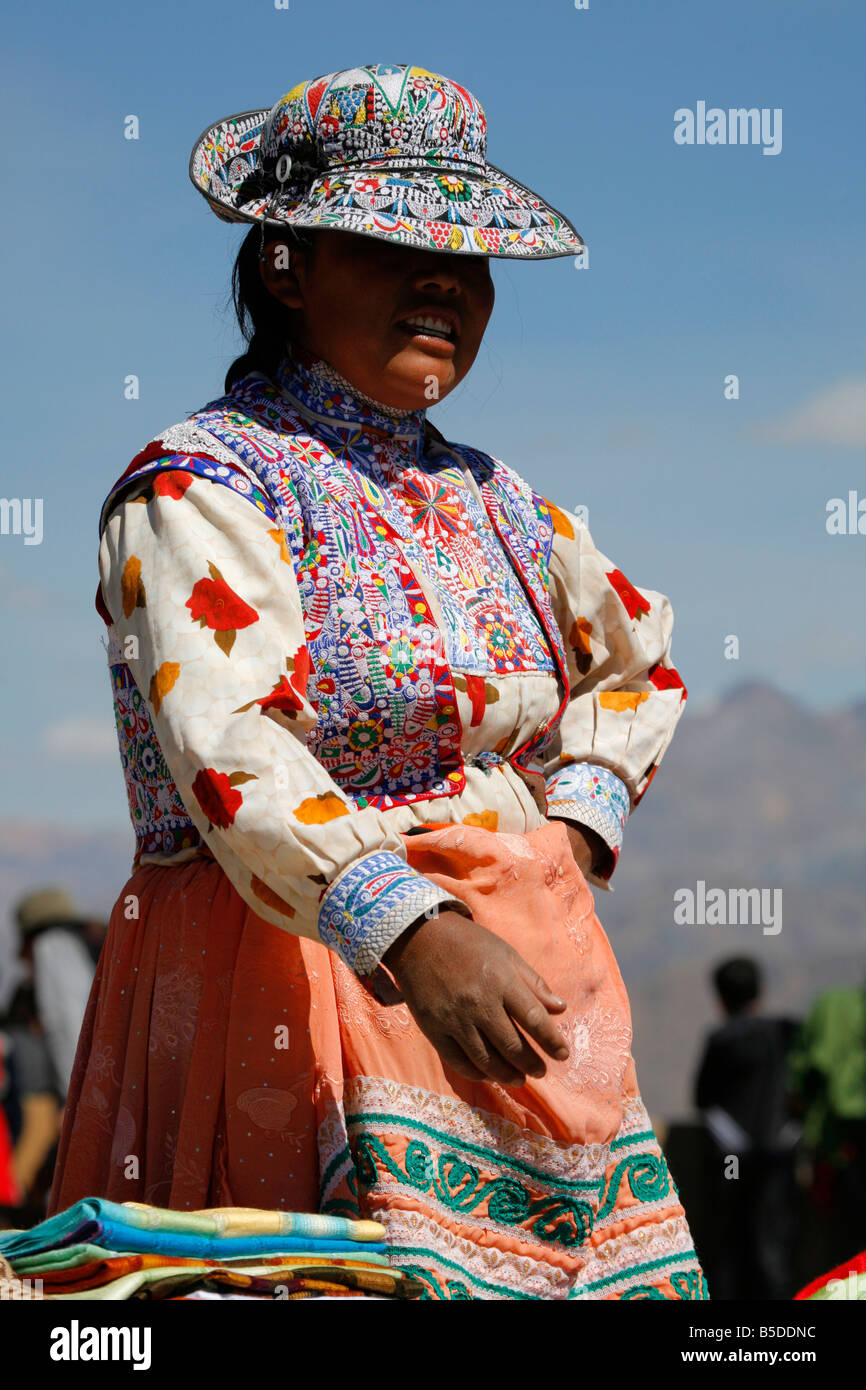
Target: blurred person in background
[(828, 1077), (61, 947), (31, 1101), (751, 1140)]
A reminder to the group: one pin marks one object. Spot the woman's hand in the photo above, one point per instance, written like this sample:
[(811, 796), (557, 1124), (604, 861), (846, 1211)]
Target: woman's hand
[(470, 994)]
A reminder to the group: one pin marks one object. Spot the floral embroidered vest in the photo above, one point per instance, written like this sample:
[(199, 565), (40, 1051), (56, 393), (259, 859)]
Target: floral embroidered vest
[(385, 738)]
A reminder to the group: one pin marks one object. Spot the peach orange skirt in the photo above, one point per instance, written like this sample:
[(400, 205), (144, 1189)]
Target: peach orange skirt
[(224, 1062)]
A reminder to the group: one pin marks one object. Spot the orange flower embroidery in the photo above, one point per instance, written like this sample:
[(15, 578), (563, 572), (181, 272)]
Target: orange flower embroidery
[(279, 536), (316, 810), (561, 523), (579, 636), (622, 699), (162, 682), (132, 591), (213, 604), (485, 820)]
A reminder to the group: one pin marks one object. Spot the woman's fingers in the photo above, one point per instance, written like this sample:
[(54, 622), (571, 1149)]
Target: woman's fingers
[(501, 1053), (539, 986), (453, 1056), (529, 1012)]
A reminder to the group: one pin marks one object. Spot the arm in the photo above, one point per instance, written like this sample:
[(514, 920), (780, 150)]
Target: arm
[(626, 697), (62, 977), (40, 1130), (203, 593)]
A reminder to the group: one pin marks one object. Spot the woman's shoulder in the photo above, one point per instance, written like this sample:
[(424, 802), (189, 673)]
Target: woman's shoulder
[(186, 449)]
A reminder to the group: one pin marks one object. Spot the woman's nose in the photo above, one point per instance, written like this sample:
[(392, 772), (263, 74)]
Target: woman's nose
[(445, 281), (440, 271)]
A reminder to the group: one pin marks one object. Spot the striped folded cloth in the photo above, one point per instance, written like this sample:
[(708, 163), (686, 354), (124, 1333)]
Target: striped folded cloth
[(110, 1250)]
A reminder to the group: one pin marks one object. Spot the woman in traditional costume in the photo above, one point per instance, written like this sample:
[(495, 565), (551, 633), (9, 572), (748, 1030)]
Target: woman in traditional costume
[(383, 712)]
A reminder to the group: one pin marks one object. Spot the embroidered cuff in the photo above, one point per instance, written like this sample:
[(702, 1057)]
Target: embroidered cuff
[(370, 904), (592, 796)]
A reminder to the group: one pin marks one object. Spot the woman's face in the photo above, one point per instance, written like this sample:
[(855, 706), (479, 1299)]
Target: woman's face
[(353, 296)]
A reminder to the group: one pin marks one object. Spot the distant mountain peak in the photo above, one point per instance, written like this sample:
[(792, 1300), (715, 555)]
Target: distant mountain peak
[(761, 696)]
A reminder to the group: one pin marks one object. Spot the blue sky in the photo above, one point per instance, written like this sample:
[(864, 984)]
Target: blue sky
[(603, 386)]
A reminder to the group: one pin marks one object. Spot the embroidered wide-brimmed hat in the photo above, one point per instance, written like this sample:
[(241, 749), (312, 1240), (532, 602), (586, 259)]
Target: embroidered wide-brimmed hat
[(389, 151)]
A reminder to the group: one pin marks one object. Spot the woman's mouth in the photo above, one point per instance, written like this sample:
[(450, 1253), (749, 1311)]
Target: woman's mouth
[(429, 327)]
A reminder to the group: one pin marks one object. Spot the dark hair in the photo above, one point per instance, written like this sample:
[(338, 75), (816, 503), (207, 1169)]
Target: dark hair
[(264, 322), (738, 983)]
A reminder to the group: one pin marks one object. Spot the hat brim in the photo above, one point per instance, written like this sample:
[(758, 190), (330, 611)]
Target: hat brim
[(482, 213)]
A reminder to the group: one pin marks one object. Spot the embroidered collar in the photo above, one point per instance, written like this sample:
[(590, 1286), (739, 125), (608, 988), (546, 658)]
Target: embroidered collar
[(333, 403)]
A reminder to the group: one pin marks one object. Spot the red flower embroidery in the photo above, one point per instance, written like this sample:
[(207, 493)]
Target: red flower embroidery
[(635, 603), (281, 697), (475, 691), (171, 484), (301, 666), (217, 795), (213, 604), (288, 693), (666, 678)]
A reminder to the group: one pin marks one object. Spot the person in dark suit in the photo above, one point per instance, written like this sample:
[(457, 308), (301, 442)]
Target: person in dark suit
[(742, 1092)]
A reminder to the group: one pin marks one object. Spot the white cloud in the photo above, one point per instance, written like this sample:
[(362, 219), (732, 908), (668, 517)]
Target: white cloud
[(80, 736), (834, 416)]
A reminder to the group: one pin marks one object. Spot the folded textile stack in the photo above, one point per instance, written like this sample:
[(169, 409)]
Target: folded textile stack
[(108, 1250)]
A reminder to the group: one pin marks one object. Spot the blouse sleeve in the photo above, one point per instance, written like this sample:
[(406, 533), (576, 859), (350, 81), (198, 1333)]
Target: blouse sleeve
[(202, 589), (625, 694)]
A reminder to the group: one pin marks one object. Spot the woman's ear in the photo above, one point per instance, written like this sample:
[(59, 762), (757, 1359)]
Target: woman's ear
[(277, 267)]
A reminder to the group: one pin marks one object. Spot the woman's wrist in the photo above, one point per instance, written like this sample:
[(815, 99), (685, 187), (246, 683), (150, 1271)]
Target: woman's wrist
[(392, 957), (591, 853)]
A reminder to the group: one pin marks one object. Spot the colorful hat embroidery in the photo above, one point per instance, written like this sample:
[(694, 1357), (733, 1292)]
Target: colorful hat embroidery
[(391, 151)]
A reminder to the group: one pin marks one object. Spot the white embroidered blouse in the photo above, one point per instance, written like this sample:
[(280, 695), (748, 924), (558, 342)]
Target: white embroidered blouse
[(220, 688)]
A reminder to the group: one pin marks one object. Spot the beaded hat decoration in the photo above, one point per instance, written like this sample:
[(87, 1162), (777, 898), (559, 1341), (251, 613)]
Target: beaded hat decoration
[(389, 151)]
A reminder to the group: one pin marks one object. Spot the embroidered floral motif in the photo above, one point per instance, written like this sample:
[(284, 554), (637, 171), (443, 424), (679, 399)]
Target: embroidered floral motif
[(635, 603), (213, 604), (217, 795), (163, 681)]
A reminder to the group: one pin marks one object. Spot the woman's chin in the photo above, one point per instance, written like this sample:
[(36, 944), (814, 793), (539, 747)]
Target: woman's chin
[(419, 378)]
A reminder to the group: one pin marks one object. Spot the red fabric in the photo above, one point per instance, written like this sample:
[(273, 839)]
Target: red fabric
[(856, 1265), (10, 1193)]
